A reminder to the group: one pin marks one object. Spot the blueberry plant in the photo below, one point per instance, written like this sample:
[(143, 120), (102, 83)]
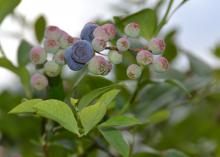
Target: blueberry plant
[(98, 107)]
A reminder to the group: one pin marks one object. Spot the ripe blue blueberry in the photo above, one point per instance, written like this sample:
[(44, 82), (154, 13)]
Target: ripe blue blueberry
[(72, 64), (87, 32)]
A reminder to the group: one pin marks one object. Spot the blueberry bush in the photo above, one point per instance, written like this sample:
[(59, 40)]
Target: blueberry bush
[(112, 91)]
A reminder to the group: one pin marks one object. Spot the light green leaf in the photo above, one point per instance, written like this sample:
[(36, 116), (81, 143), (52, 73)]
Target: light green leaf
[(6, 7), (146, 18), (59, 112), (174, 153), (88, 98), (180, 85), (93, 114), (121, 121), (115, 138), (26, 107), (23, 52), (39, 27), (5, 63), (159, 117)]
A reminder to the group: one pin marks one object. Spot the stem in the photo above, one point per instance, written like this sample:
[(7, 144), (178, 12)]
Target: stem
[(164, 19)]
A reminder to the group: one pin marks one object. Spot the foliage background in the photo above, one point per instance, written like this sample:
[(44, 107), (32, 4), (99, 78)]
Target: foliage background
[(177, 121)]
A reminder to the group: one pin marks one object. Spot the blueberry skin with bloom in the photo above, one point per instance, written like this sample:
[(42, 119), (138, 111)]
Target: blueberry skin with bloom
[(87, 32), (82, 51), (72, 64)]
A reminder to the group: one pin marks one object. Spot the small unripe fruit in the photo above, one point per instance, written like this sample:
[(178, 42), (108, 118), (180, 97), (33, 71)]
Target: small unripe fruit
[(115, 57), (51, 45), (98, 44), (134, 71), (123, 44), (99, 66), (82, 51), (39, 81), (72, 64), (52, 69), (157, 46), (87, 32), (52, 32), (110, 30), (99, 32), (161, 64), (59, 57), (66, 40), (144, 57), (132, 29), (38, 55)]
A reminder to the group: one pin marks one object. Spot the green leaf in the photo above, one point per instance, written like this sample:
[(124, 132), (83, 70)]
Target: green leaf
[(5, 63), (115, 138), (59, 112), (39, 27), (88, 98), (159, 117), (6, 7), (93, 114), (23, 52), (146, 18), (180, 85), (26, 107), (121, 121), (217, 51), (174, 153)]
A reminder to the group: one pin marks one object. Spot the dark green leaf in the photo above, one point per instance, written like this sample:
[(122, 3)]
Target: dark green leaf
[(23, 52), (6, 7), (146, 18), (39, 27), (123, 121), (115, 138), (159, 117)]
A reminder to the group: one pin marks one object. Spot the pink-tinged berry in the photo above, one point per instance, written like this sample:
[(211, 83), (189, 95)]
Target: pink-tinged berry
[(110, 30), (115, 57), (132, 29), (134, 71), (161, 64), (123, 44), (66, 40), (51, 45), (144, 57), (99, 66), (99, 32), (52, 32), (39, 81), (59, 57), (52, 69), (157, 46), (98, 44), (38, 55)]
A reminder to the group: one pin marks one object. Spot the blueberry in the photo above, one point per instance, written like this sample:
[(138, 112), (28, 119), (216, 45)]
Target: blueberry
[(39, 81), (72, 64), (52, 69), (38, 55), (115, 57), (87, 32), (144, 57), (134, 71), (123, 44), (132, 29), (98, 44), (157, 46)]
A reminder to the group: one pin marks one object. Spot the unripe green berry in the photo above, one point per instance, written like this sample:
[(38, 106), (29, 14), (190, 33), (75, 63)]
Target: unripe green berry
[(59, 57), (160, 64), (132, 29), (157, 46), (38, 55), (134, 71), (52, 69), (99, 66), (51, 45), (144, 57), (39, 81), (115, 57), (122, 44), (98, 44)]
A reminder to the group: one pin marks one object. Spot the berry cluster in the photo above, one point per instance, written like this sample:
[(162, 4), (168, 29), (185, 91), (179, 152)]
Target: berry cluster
[(87, 50)]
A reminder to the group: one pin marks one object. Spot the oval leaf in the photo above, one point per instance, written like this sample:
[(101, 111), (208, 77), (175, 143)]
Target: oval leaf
[(59, 112), (23, 52), (115, 138), (39, 27)]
